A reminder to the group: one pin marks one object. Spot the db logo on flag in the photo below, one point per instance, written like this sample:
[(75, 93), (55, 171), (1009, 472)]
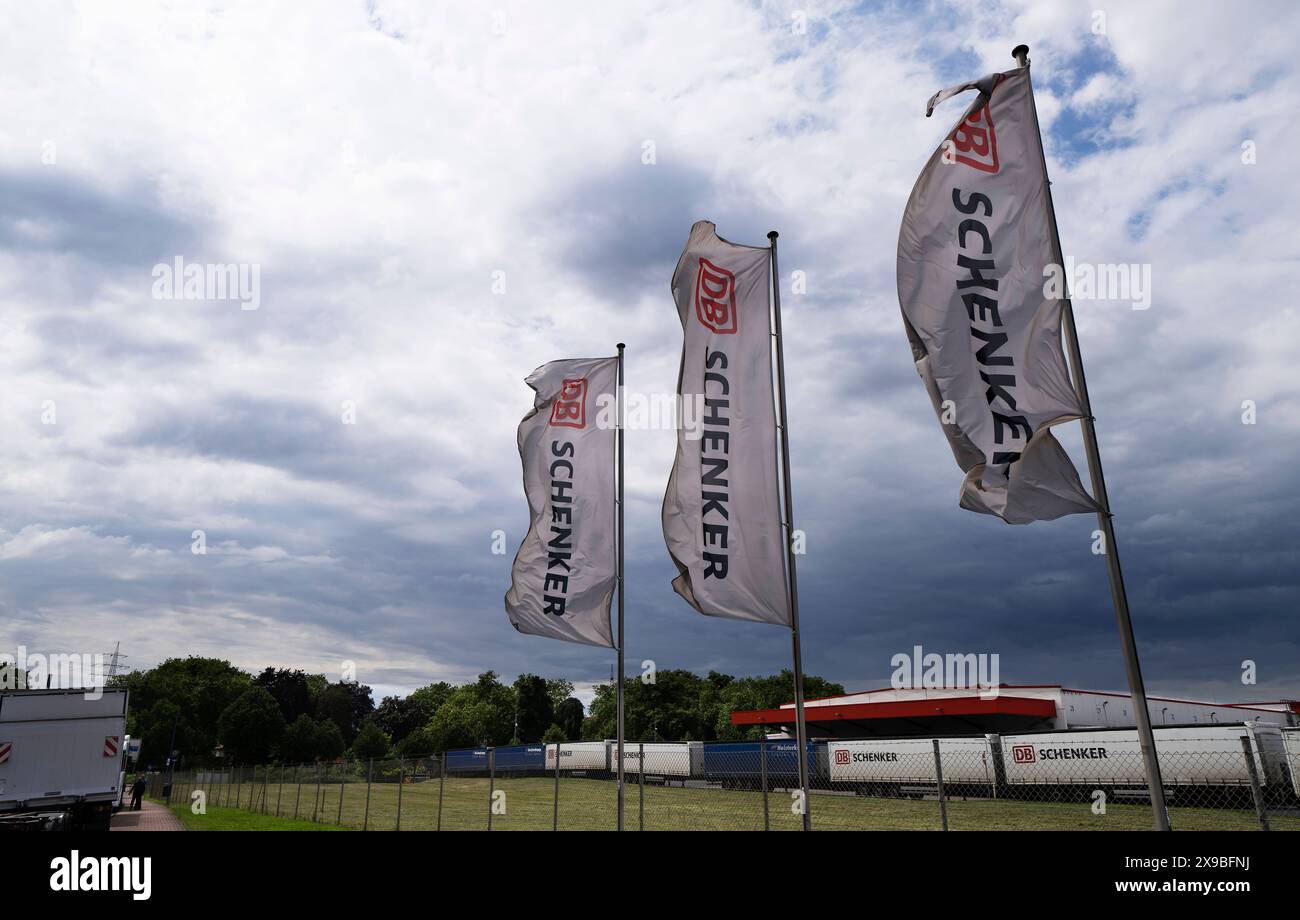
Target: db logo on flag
[(570, 408), (715, 298), (841, 757), (976, 143), (1022, 753)]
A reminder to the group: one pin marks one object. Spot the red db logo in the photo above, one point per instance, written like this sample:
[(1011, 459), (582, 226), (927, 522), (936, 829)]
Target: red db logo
[(842, 757), (1022, 753), (975, 139), (570, 407), (715, 298)]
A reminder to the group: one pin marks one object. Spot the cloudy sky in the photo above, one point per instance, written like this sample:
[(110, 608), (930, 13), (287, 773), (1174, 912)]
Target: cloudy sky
[(440, 197)]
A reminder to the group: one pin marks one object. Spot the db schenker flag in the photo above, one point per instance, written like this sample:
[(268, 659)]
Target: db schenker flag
[(986, 339), (565, 571), (721, 512)]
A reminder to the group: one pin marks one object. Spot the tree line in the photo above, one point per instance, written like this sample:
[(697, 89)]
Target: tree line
[(210, 711)]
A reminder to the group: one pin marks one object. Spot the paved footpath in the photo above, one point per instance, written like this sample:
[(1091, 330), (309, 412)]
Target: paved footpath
[(151, 817)]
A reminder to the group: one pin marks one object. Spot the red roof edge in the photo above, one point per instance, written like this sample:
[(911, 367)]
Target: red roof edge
[(907, 709)]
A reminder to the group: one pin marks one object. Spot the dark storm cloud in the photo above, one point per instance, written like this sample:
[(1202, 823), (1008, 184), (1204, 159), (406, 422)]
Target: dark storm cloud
[(625, 228), (46, 211), (87, 342), (302, 438)]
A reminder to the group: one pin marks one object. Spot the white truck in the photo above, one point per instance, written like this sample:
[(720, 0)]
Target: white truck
[(61, 754)]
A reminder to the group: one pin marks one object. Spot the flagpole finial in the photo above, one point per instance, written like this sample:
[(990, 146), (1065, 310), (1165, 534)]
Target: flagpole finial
[(621, 346), (1021, 54), (772, 234)]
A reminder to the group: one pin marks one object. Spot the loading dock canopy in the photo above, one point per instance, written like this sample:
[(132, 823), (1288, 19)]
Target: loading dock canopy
[(899, 718)]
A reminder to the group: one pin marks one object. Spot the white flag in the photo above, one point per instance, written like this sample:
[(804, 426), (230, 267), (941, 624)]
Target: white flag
[(986, 339), (721, 512), (565, 572)]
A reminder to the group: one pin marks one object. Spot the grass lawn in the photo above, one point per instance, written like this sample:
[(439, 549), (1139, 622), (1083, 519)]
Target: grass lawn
[(238, 819), (587, 804)]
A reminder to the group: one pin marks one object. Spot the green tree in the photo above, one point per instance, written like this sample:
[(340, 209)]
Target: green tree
[(569, 715), (329, 741), (554, 735), (371, 743), (290, 689), (763, 693), (347, 704), (418, 743), (251, 727), (559, 690), (681, 705), (431, 696), (474, 714), (299, 742), (399, 716), (533, 709), (188, 693)]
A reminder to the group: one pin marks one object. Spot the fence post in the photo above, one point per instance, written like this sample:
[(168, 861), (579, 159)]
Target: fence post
[(442, 781), (279, 791), (315, 802), (938, 772), (762, 769), (239, 784), (492, 780), (1254, 783), (555, 805), (401, 779), (640, 786), (370, 772), (338, 815), (297, 789)]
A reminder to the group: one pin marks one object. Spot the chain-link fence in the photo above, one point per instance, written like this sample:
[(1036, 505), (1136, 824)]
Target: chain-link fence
[(1243, 777)]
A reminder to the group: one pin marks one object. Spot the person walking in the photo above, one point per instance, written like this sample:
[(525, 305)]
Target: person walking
[(137, 793)]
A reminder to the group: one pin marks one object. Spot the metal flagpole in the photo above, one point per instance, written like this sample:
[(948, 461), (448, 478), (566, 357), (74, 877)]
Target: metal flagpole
[(618, 503), (801, 729), (1117, 593)]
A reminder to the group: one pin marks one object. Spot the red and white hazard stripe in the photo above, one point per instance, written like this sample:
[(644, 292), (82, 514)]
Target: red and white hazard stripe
[(6, 748), (110, 746)]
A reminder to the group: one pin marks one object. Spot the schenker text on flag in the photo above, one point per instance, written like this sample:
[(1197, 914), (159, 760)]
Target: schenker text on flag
[(975, 240), (721, 512), (565, 572)]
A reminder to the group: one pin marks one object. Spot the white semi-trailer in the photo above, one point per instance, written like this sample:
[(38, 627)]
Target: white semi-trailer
[(61, 753), (585, 756), (911, 760), (679, 760)]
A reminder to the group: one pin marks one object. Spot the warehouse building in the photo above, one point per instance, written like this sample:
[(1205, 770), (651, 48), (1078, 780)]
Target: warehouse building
[(1002, 710)]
